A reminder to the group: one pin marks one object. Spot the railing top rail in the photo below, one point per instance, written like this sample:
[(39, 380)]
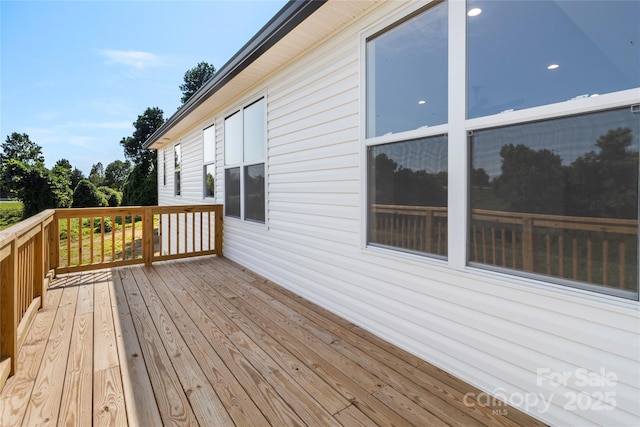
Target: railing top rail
[(26, 226), (131, 210), (606, 225)]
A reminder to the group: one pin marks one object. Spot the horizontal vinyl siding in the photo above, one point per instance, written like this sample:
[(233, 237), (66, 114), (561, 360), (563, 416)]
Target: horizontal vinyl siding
[(490, 329)]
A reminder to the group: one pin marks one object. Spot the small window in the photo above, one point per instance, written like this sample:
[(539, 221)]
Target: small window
[(164, 168), (559, 199), (177, 162), (208, 160), (244, 146)]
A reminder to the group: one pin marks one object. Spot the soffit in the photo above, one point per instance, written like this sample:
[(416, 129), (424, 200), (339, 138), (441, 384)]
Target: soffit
[(328, 19)]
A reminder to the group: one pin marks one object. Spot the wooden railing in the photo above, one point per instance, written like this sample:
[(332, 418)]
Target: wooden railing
[(93, 238), (67, 240), (415, 228), (25, 273), (593, 250)]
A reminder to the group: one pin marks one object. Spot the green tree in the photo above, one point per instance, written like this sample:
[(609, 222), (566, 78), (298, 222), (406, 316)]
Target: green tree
[(115, 174), (87, 195), (195, 78), (60, 179), (76, 176), (19, 154), (141, 187), (146, 124), (96, 176)]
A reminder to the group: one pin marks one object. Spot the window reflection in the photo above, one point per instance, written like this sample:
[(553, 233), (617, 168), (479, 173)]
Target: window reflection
[(254, 188), (559, 198), (408, 195), (523, 54), (407, 74), (232, 192)]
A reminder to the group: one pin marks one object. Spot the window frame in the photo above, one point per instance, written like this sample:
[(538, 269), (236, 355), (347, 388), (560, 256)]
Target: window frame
[(208, 162), (458, 129), (376, 30), (242, 164)]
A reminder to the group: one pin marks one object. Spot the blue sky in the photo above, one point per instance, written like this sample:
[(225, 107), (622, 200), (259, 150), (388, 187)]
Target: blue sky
[(75, 75)]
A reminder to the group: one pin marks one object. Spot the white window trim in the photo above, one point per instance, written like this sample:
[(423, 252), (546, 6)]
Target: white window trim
[(457, 130), (247, 101)]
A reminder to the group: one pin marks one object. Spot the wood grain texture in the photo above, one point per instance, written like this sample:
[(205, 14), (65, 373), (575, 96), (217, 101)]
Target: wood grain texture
[(205, 342)]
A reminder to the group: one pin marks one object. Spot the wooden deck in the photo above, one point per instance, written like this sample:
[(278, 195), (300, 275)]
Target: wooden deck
[(204, 342)]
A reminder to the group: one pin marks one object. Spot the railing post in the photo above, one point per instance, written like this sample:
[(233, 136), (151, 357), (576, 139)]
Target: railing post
[(527, 244), (147, 236), (54, 244), (38, 268), (218, 230), (9, 301)]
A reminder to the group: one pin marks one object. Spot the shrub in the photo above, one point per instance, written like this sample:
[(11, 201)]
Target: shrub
[(87, 195)]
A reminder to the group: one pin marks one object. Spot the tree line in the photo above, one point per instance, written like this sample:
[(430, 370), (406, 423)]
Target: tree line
[(133, 182)]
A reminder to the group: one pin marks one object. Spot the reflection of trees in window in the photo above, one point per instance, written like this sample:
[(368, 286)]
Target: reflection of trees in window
[(232, 192), (605, 184), (572, 218), (254, 193), (396, 185), (597, 184)]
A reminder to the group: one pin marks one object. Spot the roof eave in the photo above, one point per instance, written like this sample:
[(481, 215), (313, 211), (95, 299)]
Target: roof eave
[(292, 14)]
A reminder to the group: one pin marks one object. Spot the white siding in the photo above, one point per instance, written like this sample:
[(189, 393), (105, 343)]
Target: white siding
[(495, 331)]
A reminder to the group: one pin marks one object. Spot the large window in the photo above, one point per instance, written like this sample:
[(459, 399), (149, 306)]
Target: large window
[(555, 199), (524, 54), (208, 160), (500, 146), (244, 145), (177, 162), (559, 198), (406, 93)]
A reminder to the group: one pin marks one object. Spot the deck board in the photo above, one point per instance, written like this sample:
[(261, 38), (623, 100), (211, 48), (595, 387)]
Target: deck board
[(206, 342)]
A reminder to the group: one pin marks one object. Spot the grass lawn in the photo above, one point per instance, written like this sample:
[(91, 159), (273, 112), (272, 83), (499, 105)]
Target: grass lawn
[(10, 213)]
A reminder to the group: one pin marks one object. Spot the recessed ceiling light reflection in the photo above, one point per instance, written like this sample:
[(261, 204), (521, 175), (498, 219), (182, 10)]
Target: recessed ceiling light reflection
[(474, 12), (553, 67), (422, 101)]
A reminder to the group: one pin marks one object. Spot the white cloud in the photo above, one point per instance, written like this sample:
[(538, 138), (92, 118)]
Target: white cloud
[(132, 58)]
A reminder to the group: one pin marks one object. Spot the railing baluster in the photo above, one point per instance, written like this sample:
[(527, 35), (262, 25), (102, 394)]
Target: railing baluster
[(91, 219), (493, 246), (622, 249), (113, 238), (589, 258), (80, 226), (574, 243), (503, 237), (547, 238), (124, 240), (605, 260), (68, 242), (561, 255), (102, 238)]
